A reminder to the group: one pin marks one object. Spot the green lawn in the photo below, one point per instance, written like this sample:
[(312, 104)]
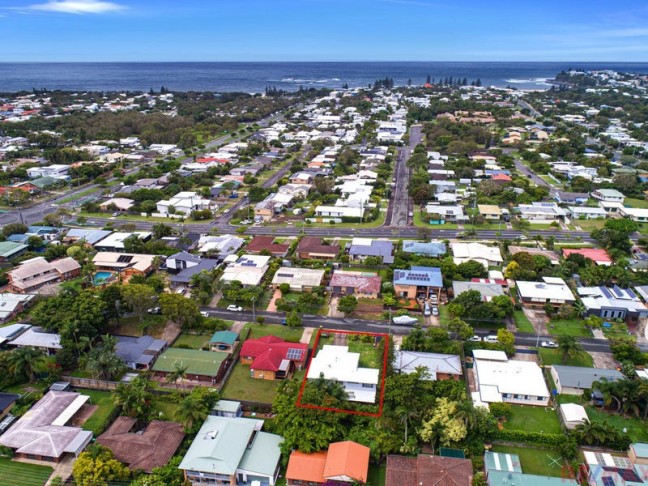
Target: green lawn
[(588, 224), (534, 461), (377, 475), (97, 422), (130, 326), (13, 473), (164, 410), (618, 330), (240, 386), (370, 356), (553, 356), (568, 327), (636, 428), (636, 203), (194, 341), (533, 419), (522, 322), (74, 284), (78, 196), (320, 310), (286, 333), (422, 222)]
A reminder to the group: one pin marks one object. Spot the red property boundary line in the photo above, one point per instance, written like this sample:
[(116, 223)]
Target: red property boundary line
[(382, 381)]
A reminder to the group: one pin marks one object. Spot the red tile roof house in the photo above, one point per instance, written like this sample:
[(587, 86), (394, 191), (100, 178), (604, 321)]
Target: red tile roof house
[(260, 243), (427, 470), (501, 178), (143, 450), (355, 283), (272, 358), (597, 255)]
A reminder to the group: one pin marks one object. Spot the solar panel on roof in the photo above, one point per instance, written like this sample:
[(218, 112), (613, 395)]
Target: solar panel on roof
[(294, 353), (631, 294), (606, 292), (608, 481)]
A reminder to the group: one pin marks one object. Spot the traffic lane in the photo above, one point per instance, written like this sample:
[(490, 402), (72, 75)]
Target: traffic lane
[(363, 325)]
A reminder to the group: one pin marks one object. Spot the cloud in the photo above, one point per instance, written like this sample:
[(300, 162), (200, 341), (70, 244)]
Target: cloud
[(77, 7)]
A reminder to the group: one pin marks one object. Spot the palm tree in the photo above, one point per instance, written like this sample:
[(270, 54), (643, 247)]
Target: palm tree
[(580, 308), (25, 361), (568, 346), (179, 373), (405, 415), (190, 411), (134, 398), (595, 433)]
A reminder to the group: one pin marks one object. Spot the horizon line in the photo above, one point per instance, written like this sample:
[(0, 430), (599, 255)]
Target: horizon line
[(324, 62)]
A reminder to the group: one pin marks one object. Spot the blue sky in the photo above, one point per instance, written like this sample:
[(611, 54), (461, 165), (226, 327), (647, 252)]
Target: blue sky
[(323, 30)]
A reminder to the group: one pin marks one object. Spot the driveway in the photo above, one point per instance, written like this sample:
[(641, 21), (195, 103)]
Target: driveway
[(333, 308)]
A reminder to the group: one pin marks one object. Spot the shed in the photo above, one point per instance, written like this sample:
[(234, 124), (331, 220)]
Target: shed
[(573, 415)]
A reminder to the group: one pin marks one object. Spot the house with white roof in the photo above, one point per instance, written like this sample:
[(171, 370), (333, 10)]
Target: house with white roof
[(541, 212), (247, 269), (486, 255), (337, 363), (608, 195), (184, 203), (12, 304), (56, 171), (552, 290), (640, 215), (115, 241), (499, 379), (585, 212)]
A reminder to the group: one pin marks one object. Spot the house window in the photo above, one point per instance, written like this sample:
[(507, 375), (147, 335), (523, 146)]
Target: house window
[(516, 397), (367, 385), (541, 398)]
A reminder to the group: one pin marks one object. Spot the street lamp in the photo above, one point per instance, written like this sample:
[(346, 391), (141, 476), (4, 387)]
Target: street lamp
[(253, 310)]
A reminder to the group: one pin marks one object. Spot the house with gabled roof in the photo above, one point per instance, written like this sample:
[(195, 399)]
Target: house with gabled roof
[(344, 462), (362, 284), (232, 451), (430, 248), (272, 358), (437, 366), (417, 281)]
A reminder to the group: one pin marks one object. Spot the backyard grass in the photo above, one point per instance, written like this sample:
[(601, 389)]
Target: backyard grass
[(14, 473), (422, 223), (97, 422), (370, 356), (286, 333), (241, 387), (533, 419), (522, 321), (130, 326), (377, 475), (636, 428), (534, 461), (193, 341), (164, 410), (568, 327), (72, 285), (553, 356), (617, 330)]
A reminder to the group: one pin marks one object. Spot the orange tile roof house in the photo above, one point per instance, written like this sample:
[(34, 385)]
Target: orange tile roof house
[(597, 255), (37, 272), (346, 462), (427, 470), (152, 447)]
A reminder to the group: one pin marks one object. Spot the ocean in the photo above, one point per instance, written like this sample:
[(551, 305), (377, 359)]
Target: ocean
[(256, 76)]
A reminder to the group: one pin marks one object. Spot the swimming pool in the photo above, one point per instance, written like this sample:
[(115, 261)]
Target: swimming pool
[(100, 277)]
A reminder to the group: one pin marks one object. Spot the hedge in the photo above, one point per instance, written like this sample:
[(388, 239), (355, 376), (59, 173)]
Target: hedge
[(534, 437)]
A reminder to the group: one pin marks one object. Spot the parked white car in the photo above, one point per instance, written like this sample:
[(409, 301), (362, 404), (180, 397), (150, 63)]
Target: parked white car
[(548, 344), (204, 313), (491, 339), (474, 339), (234, 308)]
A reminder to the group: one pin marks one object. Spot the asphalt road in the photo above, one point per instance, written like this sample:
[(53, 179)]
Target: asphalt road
[(399, 203), (522, 339)]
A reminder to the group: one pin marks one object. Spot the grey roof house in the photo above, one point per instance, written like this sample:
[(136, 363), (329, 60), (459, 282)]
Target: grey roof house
[(364, 247), (430, 248), (139, 353), (42, 433), (438, 366), (184, 277), (487, 290), (572, 380)]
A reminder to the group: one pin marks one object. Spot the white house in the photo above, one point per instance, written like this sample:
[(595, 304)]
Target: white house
[(541, 212), (56, 171), (499, 379), (339, 211), (640, 215), (184, 203), (583, 212), (337, 363), (486, 255), (248, 269), (573, 415), (608, 195), (552, 290)]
